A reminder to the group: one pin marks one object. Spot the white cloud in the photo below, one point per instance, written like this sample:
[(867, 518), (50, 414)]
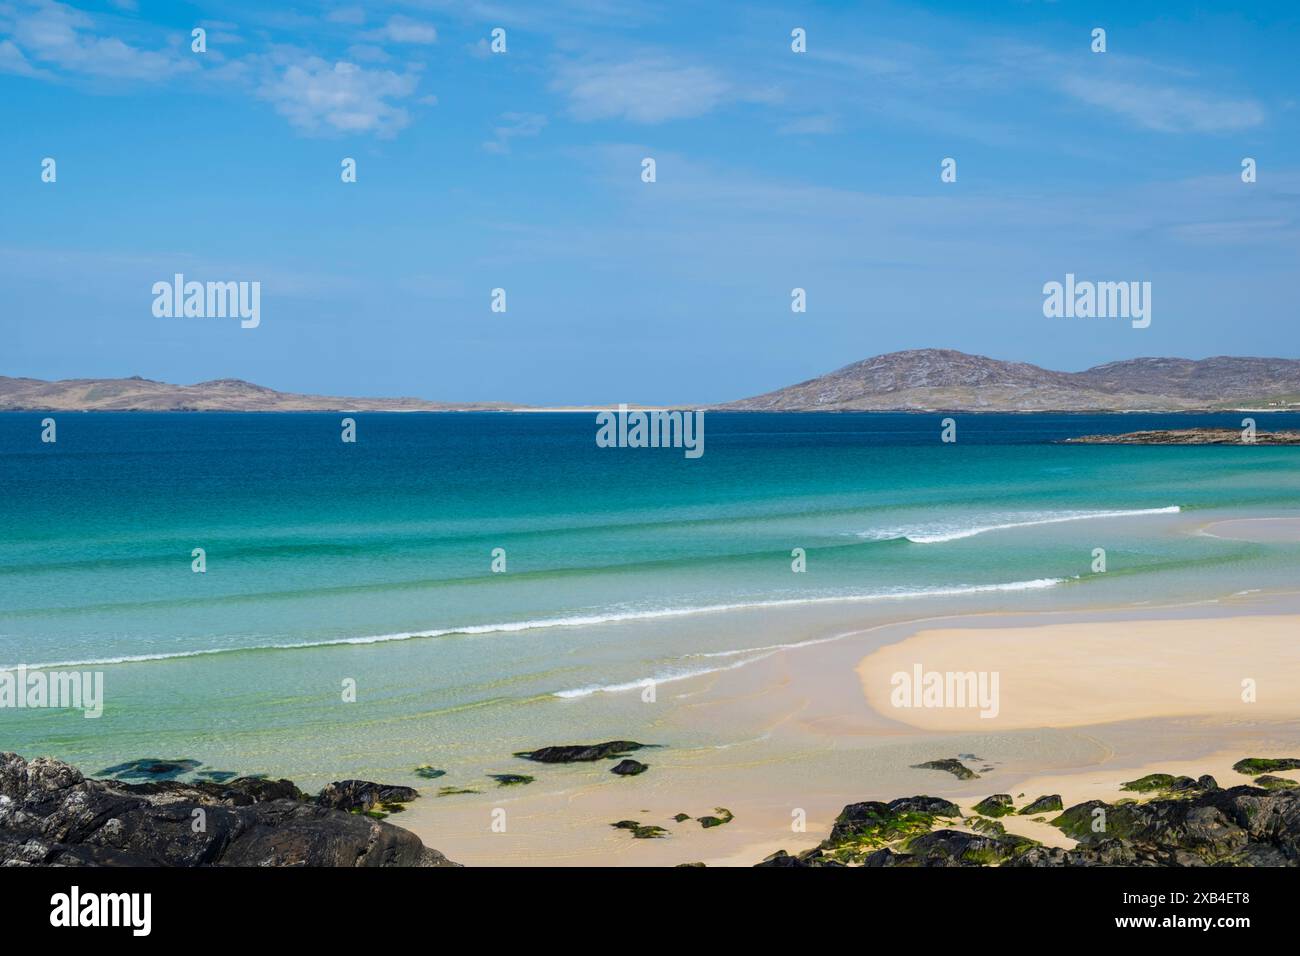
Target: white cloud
[(646, 90), (54, 34), (401, 29), (318, 96), (514, 125), (1165, 108), (349, 15), (13, 61)]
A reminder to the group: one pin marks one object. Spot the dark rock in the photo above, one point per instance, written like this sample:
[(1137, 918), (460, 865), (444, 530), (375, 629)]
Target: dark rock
[(1207, 782), (429, 773), (52, 815), (682, 817), (629, 768), (361, 796), (1043, 804), (998, 805), (581, 753), (954, 848), (949, 764), (1269, 782)]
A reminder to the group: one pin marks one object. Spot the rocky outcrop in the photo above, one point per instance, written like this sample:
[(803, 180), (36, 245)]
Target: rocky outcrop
[(1189, 436), (1206, 826), (50, 814)]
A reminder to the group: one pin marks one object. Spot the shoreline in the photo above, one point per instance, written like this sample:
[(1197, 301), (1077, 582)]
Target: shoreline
[(825, 747)]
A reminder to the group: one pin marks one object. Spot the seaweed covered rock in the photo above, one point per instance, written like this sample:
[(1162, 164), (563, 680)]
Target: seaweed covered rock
[(1043, 804), (1253, 766), (50, 814), (1156, 782), (997, 805), (864, 827), (1203, 826), (723, 816)]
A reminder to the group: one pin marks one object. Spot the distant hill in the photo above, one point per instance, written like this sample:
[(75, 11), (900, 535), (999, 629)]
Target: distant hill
[(916, 380), (223, 394), (946, 380)]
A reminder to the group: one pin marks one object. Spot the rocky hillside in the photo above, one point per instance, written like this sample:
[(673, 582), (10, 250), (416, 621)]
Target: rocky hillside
[(943, 379), (224, 394)]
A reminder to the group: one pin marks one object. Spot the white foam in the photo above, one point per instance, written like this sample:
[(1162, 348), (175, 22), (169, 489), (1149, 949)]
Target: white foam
[(586, 620), (941, 534)]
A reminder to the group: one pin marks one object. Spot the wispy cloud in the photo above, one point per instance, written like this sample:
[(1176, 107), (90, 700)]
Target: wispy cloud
[(1166, 109), (647, 90), (401, 29), (513, 126)]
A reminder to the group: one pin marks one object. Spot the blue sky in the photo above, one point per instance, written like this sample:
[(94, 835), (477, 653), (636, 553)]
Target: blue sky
[(522, 171)]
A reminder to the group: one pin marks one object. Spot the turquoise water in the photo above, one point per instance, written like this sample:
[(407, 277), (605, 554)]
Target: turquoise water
[(372, 561)]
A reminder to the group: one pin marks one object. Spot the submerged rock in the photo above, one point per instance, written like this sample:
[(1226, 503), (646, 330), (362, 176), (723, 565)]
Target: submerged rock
[(1269, 782), (629, 768), (581, 753), (641, 831), (50, 814), (150, 768), (949, 764), (511, 779)]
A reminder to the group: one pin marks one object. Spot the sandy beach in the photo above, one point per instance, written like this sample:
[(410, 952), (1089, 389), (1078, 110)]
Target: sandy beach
[(1089, 700)]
